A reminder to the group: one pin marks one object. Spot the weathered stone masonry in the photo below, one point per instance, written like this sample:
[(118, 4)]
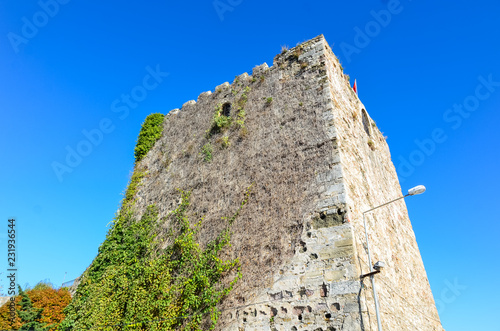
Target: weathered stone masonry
[(316, 161)]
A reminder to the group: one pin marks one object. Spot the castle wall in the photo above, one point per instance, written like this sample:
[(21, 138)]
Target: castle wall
[(299, 238)]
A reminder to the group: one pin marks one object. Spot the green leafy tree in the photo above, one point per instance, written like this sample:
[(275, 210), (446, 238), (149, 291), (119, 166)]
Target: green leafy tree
[(30, 316)]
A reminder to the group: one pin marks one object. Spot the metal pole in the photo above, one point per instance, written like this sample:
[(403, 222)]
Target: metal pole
[(385, 204), (375, 297), (372, 278)]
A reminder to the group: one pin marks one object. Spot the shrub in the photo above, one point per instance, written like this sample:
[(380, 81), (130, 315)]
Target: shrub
[(150, 132), (241, 118), (371, 144), (219, 121), (224, 141), (296, 53), (207, 150)]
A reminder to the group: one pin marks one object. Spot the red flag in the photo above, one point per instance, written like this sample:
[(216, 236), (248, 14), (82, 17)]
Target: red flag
[(355, 87)]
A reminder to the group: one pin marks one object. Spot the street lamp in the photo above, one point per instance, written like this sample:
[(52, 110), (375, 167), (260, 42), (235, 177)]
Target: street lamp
[(379, 265)]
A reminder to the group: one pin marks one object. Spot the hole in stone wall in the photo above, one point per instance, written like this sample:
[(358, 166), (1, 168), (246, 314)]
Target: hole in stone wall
[(366, 122), (293, 328), (300, 317), (336, 306), (244, 320), (328, 315), (326, 219), (314, 256), (226, 109), (323, 292)]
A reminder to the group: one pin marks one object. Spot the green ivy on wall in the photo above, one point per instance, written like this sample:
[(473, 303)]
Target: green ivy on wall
[(137, 285), (150, 132)]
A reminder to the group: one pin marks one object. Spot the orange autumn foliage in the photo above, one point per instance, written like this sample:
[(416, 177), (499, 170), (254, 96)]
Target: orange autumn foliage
[(43, 296)]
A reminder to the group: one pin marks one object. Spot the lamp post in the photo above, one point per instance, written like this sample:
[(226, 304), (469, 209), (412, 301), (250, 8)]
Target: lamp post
[(413, 191)]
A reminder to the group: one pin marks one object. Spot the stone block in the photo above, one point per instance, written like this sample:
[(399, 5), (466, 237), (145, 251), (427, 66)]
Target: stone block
[(174, 111), (334, 189), (259, 70), (326, 221), (222, 87), (242, 78), (344, 287), (189, 103), (328, 202), (354, 307), (336, 252), (331, 133), (204, 95), (344, 243), (334, 275)]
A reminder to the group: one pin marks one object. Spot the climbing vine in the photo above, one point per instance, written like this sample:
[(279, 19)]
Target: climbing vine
[(136, 284), (133, 185), (241, 115), (150, 132)]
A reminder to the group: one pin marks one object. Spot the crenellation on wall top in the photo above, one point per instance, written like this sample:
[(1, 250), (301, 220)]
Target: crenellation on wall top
[(308, 51), (204, 95), (260, 70), (244, 77), (174, 111), (222, 87), (189, 103)]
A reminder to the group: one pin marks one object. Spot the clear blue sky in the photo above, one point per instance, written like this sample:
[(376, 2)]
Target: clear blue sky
[(422, 73)]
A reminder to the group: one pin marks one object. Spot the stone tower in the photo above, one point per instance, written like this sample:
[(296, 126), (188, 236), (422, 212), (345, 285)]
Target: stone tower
[(317, 161)]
